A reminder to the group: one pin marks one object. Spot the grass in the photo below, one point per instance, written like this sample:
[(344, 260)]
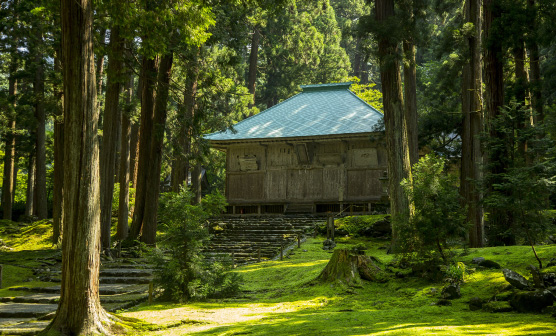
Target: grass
[(281, 298)]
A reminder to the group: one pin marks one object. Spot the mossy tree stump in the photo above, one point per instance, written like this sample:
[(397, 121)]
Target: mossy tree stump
[(350, 268)]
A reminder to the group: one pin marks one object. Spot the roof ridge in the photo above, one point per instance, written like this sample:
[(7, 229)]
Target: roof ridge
[(326, 86)]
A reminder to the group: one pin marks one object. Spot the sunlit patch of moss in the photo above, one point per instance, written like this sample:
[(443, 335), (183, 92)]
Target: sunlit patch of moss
[(11, 276), (35, 236)]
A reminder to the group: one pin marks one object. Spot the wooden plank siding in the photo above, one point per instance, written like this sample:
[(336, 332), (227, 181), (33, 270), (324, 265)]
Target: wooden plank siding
[(309, 171)]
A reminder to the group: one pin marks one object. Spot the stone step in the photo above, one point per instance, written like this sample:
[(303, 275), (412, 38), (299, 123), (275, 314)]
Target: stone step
[(33, 298), (105, 289), (126, 272), (24, 310), (125, 280), (52, 298), (22, 327)]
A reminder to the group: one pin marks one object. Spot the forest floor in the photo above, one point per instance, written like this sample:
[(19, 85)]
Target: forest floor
[(281, 298)]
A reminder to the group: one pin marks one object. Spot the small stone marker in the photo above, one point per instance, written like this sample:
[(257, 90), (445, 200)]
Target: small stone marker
[(330, 227)]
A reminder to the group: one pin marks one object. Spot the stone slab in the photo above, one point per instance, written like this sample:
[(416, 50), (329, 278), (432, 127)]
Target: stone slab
[(14, 310), (33, 298), (25, 328), (105, 289), (125, 272), (4, 322)]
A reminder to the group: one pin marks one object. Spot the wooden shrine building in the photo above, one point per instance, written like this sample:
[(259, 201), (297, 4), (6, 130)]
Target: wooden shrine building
[(316, 152)]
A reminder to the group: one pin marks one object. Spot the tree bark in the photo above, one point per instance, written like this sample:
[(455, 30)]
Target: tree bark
[(410, 99), (9, 147), (134, 154), (134, 141), (182, 147), (123, 208), (253, 62), (472, 156), (349, 268), (534, 64), (196, 178), (157, 141), (57, 197), (8, 183), (40, 204), (148, 74), (399, 166), (100, 65), (501, 222), (523, 120), (29, 195), (79, 310), (111, 126)]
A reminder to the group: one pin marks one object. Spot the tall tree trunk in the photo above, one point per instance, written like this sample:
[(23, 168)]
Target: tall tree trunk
[(9, 147), (29, 199), (57, 197), (357, 59), (186, 120), (196, 178), (100, 64), (79, 310), (148, 78), (253, 62), (15, 172), (521, 94), (111, 126), (152, 181), (534, 64), (123, 208), (40, 204), (365, 70), (472, 157), (399, 166), (8, 182), (134, 154), (500, 221), (410, 99)]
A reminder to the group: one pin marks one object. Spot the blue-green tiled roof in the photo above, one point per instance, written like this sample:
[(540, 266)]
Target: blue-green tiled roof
[(324, 109)]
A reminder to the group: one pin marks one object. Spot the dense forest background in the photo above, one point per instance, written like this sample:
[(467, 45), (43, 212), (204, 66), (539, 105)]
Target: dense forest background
[(473, 82)]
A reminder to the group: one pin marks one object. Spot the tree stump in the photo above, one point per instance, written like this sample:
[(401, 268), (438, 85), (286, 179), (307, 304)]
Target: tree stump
[(344, 266)]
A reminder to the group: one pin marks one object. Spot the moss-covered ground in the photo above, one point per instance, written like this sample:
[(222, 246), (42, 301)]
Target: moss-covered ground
[(281, 298)]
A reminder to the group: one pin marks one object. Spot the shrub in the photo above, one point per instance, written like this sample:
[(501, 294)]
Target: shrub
[(438, 216), (455, 273), (182, 270)]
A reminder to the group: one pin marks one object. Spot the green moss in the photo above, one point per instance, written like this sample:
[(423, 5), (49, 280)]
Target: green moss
[(295, 304), (21, 236)]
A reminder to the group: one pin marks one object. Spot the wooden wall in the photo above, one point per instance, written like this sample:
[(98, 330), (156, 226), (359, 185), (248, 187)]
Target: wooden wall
[(316, 171)]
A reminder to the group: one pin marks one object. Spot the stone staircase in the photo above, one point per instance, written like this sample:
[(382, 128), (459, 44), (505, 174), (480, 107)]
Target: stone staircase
[(123, 284), (247, 238)]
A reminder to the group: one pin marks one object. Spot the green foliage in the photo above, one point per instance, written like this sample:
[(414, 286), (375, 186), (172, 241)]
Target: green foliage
[(367, 92), (355, 225), (520, 182), (438, 216), (455, 273), (301, 46), (183, 272), (116, 199)]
